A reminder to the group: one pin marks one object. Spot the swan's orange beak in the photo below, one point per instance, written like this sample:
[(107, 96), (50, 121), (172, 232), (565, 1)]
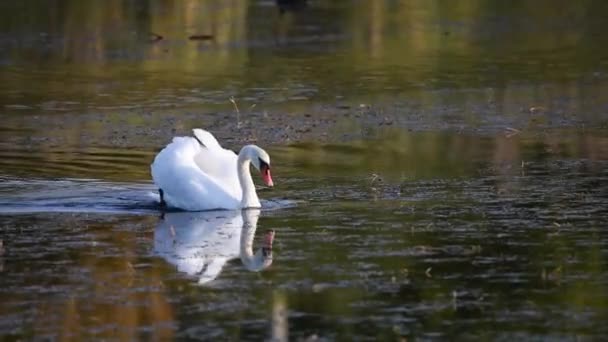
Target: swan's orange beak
[(266, 176), (268, 239)]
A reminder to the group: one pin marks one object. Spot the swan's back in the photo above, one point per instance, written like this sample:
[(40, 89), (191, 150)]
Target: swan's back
[(195, 177)]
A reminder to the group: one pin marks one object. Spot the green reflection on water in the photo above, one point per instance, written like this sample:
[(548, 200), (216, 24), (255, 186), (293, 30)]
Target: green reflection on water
[(74, 55)]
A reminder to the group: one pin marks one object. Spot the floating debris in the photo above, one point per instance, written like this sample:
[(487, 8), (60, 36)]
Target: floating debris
[(201, 37), (316, 288), (374, 177), (154, 37), (511, 132), (536, 109), (130, 268)]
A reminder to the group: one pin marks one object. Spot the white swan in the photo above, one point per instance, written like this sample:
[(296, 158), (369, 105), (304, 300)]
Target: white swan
[(196, 173), (200, 244)]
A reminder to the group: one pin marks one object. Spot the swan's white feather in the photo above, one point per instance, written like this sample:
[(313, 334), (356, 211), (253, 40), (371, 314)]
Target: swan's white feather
[(195, 177), (220, 164), (207, 139)]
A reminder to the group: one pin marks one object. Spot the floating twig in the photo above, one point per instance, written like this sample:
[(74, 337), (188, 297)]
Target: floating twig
[(511, 132), (201, 37), (238, 112), (374, 177), (154, 37), (536, 109)]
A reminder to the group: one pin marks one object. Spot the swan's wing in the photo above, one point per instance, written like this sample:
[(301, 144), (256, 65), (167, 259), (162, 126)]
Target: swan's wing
[(220, 164), (192, 189), (189, 187), (217, 162), (206, 139)]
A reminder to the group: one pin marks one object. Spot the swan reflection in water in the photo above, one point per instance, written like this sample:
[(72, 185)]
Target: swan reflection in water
[(200, 243)]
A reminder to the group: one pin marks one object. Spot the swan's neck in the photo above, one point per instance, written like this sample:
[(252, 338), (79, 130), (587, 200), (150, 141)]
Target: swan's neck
[(250, 197), (246, 248), (253, 261)]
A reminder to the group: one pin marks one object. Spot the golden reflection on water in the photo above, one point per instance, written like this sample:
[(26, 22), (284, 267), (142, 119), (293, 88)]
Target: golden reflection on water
[(385, 45), (415, 65), (279, 316), (116, 300)]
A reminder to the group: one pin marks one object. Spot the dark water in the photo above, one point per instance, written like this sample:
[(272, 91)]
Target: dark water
[(441, 170)]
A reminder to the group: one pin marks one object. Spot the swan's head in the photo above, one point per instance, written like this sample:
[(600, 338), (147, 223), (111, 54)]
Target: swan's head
[(262, 259), (261, 161)]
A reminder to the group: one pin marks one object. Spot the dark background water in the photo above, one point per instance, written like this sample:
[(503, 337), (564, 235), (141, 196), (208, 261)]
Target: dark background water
[(440, 168)]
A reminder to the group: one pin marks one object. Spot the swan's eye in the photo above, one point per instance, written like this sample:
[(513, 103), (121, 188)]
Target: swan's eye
[(263, 165)]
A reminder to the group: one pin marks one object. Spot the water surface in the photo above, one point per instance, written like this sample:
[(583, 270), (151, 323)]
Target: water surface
[(441, 170)]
